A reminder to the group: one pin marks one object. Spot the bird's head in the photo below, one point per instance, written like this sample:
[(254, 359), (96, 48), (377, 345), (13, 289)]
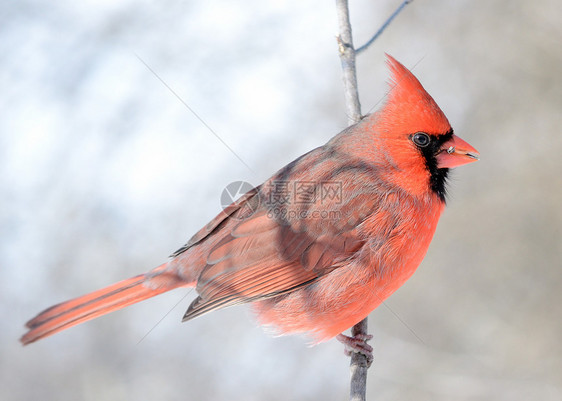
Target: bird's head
[(416, 136)]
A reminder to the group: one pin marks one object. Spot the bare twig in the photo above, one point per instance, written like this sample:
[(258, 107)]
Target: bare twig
[(359, 363), (347, 57), (383, 27)]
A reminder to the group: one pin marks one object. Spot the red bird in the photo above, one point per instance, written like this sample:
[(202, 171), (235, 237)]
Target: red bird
[(324, 241)]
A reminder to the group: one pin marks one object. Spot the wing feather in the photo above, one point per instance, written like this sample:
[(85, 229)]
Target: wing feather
[(278, 248)]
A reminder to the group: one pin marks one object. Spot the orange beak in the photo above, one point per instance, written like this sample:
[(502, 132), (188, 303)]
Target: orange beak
[(456, 152)]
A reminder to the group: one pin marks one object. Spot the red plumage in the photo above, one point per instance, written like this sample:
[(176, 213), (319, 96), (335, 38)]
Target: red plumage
[(357, 218)]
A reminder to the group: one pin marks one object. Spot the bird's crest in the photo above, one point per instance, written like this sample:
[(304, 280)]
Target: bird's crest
[(409, 108)]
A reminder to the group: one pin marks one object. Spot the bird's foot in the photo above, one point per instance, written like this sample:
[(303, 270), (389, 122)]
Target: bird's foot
[(357, 344)]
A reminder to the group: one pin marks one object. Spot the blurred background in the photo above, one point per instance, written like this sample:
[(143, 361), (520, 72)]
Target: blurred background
[(104, 172)]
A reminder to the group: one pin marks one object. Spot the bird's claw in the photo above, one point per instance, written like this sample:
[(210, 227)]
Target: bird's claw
[(357, 344)]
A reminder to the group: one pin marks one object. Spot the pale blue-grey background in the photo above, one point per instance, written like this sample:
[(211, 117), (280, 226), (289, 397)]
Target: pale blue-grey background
[(103, 173)]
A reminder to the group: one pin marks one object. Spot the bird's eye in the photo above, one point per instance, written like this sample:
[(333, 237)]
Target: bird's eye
[(421, 139)]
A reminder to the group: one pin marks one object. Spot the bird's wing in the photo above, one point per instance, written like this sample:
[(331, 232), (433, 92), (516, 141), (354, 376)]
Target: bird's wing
[(299, 229), (243, 206)]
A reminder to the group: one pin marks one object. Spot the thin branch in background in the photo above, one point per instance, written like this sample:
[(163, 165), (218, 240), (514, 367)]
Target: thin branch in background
[(403, 322), (194, 113), (384, 26), (165, 315)]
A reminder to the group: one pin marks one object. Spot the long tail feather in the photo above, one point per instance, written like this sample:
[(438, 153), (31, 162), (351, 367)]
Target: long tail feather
[(67, 314)]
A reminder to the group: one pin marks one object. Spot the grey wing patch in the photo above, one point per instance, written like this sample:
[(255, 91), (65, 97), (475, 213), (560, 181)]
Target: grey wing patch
[(200, 307)]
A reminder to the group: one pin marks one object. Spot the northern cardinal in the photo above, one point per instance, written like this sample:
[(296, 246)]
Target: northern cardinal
[(324, 241)]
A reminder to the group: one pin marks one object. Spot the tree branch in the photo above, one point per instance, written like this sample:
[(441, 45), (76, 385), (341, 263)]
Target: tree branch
[(359, 363), (383, 27), (347, 57)]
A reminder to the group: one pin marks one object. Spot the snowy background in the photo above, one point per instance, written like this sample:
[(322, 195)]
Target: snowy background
[(104, 172)]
